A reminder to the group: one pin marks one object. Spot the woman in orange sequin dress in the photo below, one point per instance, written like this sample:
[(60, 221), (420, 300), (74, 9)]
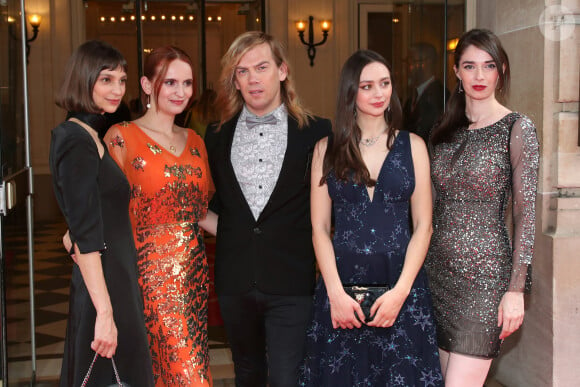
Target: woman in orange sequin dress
[(167, 168)]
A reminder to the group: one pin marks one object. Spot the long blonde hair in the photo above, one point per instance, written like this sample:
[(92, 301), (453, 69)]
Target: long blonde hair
[(230, 99)]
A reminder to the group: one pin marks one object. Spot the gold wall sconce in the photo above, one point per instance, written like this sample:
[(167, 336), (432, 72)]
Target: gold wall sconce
[(34, 21), (301, 28), (452, 43)]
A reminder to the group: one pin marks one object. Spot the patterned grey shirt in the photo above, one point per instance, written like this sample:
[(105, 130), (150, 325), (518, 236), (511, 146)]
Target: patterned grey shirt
[(257, 156)]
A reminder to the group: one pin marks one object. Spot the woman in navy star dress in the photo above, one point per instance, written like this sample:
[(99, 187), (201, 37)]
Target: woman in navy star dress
[(369, 172)]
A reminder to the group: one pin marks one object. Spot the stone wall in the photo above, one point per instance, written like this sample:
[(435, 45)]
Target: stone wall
[(545, 69)]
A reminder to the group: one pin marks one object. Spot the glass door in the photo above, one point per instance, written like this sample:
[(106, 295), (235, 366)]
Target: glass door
[(417, 39), (203, 28), (16, 290)]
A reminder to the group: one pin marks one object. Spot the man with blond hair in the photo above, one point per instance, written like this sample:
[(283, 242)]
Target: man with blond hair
[(259, 156)]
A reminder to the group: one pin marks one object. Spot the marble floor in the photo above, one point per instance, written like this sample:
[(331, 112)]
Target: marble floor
[(52, 270)]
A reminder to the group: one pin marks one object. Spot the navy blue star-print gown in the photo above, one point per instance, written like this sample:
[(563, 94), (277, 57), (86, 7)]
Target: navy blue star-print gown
[(370, 242)]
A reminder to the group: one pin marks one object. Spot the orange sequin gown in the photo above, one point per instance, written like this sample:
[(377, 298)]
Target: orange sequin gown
[(169, 196)]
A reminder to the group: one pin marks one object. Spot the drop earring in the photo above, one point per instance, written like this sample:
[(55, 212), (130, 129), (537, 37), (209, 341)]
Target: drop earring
[(148, 106), (459, 88)]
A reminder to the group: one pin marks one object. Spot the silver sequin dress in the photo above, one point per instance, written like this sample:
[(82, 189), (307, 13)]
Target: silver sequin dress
[(472, 261)]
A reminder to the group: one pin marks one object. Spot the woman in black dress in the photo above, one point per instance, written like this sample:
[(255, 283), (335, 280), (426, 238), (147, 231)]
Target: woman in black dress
[(106, 307)]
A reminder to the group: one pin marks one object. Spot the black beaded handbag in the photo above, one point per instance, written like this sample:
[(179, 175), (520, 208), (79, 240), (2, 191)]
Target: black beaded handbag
[(118, 383), (366, 297)]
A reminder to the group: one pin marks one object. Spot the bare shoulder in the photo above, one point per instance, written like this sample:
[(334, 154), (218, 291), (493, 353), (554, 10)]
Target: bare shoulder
[(322, 143), (321, 146), (417, 143), (117, 130)]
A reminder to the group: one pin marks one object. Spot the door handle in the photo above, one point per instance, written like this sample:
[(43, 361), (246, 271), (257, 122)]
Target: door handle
[(14, 190), (7, 196)]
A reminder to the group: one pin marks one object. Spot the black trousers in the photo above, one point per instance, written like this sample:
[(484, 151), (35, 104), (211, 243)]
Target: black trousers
[(267, 336)]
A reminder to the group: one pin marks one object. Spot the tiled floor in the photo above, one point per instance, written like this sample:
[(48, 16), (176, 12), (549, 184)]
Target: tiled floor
[(52, 270)]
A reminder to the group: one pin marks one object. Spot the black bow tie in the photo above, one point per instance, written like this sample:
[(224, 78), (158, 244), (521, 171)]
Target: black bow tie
[(252, 121)]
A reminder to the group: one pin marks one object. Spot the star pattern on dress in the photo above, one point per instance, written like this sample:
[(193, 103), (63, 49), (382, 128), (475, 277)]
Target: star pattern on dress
[(429, 378), (369, 243)]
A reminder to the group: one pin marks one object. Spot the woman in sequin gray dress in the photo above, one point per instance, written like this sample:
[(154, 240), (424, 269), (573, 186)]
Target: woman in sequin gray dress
[(484, 158)]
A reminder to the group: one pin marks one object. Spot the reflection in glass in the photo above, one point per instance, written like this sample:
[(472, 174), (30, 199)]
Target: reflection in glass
[(16, 322), (204, 29), (413, 37)]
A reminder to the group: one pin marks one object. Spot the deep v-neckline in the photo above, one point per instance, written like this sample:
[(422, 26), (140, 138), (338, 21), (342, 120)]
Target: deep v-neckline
[(161, 146), (370, 198)]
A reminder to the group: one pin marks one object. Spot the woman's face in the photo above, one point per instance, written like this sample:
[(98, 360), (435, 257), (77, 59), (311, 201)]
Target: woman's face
[(374, 90), (109, 89), (176, 89), (478, 73)]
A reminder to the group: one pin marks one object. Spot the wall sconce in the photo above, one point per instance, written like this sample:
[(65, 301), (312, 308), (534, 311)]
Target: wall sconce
[(34, 21), (301, 27), (452, 43)]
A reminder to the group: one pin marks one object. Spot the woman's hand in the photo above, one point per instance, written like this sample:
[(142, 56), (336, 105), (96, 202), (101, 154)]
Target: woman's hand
[(344, 311), (386, 308), (105, 341), (209, 223), (510, 313)]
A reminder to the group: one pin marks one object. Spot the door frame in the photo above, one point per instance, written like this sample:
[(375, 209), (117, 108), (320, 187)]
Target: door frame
[(21, 182), (362, 21)]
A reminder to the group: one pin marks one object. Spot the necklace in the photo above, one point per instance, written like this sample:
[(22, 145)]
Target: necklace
[(172, 147), (371, 140)]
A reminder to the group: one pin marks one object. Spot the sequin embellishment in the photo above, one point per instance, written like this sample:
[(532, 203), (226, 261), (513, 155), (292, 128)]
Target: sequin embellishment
[(471, 261), (118, 141), (166, 203), (156, 149), (180, 171), (139, 163)]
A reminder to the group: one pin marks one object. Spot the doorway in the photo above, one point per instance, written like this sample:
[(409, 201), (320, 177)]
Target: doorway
[(417, 38)]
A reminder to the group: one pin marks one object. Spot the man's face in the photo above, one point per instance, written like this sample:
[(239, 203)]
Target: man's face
[(417, 68), (258, 78)]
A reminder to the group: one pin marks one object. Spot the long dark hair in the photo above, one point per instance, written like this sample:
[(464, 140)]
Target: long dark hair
[(343, 155), (81, 74), (454, 117)]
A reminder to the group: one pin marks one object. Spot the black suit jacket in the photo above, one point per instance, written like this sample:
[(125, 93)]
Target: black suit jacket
[(274, 253), (427, 111)]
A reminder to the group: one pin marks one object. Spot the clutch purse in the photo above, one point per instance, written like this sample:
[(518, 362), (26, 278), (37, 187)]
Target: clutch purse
[(118, 383), (366, 297)]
